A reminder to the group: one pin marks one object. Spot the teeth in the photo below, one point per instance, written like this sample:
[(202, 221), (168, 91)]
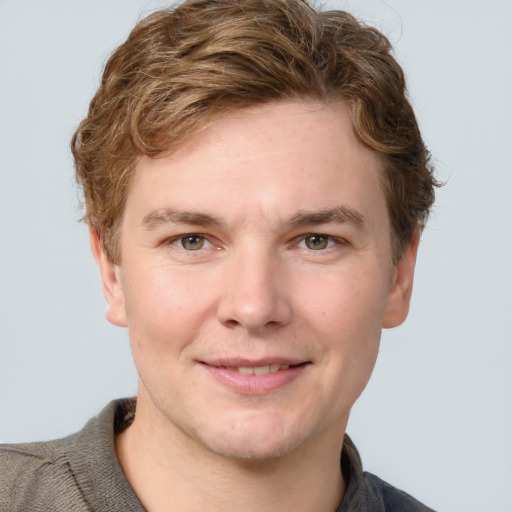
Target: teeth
[(262, 370)]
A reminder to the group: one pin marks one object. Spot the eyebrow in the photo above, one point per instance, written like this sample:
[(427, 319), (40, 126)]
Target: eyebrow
[(339, 214), (168, 215)]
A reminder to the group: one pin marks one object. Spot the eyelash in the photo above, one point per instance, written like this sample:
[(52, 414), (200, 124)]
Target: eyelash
[(331, 241), (181, 238)]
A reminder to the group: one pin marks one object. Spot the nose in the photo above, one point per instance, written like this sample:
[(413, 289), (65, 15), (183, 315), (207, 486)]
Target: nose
[(255, 292)]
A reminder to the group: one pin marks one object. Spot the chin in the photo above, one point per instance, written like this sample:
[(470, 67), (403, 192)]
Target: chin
[(247, 450), (258, 440)]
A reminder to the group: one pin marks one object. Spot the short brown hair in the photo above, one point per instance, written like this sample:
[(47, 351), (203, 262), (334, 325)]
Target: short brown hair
[(181, 69)]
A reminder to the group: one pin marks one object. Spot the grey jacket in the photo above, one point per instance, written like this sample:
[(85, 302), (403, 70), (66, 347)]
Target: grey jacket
[(81, 473)]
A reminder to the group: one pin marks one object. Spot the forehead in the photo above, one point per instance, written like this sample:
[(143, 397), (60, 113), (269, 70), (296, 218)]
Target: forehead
[(272, 160)]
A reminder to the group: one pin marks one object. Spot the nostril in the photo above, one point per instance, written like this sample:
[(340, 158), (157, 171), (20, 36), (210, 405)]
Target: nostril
[(231, 323)]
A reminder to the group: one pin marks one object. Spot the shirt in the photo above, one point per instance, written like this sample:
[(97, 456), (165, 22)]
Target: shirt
[(81, 473)]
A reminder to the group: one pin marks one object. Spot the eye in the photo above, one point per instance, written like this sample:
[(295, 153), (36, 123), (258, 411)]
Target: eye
[(191, 242), (317, 242)]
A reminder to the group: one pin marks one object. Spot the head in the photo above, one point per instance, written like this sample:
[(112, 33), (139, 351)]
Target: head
[(182, 69), (255, 183)]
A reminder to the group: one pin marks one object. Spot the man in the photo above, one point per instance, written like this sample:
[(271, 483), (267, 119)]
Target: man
[(255, 186)]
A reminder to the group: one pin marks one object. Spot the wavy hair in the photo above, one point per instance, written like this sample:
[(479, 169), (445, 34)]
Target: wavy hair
[(182, 68)]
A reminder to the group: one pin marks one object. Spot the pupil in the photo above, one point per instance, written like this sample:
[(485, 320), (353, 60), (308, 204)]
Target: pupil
[(192, 242), (316, 242)]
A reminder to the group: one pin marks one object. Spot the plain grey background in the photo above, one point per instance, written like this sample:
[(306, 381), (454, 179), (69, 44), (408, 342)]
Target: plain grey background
[(436, 418)]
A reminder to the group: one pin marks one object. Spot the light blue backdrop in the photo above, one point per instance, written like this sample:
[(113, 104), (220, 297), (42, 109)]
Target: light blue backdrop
[(436, 418)]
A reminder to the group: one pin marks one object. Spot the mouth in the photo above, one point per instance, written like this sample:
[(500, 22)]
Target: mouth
[(255, 377), (259, 370), (262, 366)]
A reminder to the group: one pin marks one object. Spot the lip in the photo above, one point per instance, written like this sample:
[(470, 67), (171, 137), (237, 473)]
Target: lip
[(224, 372), (237, 362)]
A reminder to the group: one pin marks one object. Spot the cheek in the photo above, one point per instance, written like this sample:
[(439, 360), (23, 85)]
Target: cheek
[(163, 308), (350, 301), (347, 319)]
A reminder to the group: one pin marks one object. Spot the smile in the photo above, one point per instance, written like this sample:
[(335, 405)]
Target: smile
[(255, 377), (260, 370)]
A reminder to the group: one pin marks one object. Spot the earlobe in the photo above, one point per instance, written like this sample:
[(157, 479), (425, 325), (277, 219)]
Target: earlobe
[(400, 294), (112, 288)]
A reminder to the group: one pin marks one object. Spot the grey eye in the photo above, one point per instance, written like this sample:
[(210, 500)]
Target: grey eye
[(316, 242), (192, 242)]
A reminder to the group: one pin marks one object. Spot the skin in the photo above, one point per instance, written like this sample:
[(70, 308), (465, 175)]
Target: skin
[(265, 238)]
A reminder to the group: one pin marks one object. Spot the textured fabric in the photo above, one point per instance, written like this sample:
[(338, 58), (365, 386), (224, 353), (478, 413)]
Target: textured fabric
[(76, 474), (367, 492), (81, 473)]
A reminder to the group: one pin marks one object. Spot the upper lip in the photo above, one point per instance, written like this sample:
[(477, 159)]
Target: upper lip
[(241, 362)]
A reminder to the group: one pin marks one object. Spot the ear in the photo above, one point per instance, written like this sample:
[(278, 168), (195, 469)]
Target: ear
[(401, 288), (112, 289)]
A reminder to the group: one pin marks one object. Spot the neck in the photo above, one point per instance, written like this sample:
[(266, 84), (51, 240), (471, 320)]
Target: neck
[(163, 465)]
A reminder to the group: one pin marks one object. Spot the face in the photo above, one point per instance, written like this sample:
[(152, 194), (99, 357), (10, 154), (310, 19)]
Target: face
[(255, 278)]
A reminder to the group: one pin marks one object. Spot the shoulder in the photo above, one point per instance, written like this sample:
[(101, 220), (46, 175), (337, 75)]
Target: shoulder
[(368, 492), (391, 498), (77, 473), (23, 462), (37, 476)]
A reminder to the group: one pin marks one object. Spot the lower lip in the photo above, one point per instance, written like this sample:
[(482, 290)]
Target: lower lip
[(255, 384)]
